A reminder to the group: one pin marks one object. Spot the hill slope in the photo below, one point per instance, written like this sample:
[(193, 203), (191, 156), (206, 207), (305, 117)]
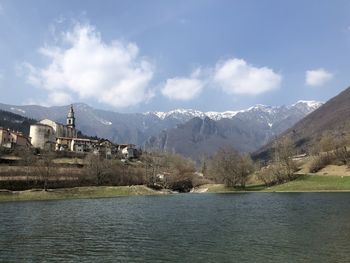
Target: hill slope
[(333, 116), (15, 122)]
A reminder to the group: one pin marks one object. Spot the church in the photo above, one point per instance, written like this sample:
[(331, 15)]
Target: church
[(53, 136), (46, 133)]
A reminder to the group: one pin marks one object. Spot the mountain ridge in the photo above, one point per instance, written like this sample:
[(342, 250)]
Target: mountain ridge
[(217, 115), (333, 116), (246, 130)]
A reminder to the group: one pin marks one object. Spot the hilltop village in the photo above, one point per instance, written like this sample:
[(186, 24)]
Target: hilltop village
[(48, 135), (57, 155)]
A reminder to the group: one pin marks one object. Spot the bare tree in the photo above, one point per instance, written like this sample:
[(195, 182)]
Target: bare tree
[(27, 156), (45, 168), (231, 168), (97, 167), (245, 168), (284, 151), (341, 152), (327, 142)]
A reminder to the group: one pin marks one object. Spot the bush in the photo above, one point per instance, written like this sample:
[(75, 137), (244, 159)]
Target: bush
[(321, 161), (182, 185), (275, 173), (231, 168), (342, 155), (177, 172), (199, 180)]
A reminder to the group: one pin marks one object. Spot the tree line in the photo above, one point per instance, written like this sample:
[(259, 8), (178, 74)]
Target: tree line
[(161, 170)]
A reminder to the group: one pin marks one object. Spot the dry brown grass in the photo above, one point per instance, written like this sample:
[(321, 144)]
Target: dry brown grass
[(335, 170)]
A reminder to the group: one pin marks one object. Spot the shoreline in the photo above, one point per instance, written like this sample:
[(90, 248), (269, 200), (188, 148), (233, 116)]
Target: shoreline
[(303, 184), (86, 192)]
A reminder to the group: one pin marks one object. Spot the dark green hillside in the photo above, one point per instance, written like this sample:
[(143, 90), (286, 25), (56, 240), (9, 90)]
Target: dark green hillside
[(15, 122)]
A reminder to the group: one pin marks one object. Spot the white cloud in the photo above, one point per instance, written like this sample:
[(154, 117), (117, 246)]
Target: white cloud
[(236, 76), (233, 76), (317, 77), (86, 67), (182, 88), (60, 98)]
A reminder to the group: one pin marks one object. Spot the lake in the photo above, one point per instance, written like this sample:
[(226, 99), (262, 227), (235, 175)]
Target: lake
[(242, 227)]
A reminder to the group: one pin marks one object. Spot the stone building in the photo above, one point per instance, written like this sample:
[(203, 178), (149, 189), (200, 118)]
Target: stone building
[(42, 136), (54, 136), (79, 145), (11, 139), (45, 133)]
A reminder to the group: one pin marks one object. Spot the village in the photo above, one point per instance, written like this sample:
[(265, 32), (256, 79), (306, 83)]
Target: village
[(50, 136), (56, 156)]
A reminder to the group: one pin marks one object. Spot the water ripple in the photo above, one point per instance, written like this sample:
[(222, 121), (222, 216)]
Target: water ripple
[(181, 228)]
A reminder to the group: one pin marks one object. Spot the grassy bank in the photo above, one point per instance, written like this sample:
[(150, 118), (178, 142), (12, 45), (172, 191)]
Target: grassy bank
[(76, 193), (304, 183), (314, 183), (220, 188)]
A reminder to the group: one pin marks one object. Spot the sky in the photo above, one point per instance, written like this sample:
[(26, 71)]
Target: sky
[(156, 55)]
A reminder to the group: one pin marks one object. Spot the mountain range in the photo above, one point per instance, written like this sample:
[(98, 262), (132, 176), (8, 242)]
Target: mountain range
[(245, 130), (189, 132)]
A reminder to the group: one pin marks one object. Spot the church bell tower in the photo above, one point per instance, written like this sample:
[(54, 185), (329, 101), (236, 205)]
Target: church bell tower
[(71, 118)]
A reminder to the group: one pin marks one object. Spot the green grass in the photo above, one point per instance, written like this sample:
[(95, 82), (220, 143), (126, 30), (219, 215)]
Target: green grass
[(304, 183), (76, 193), (314, 183), (68, 161), (220, 188)]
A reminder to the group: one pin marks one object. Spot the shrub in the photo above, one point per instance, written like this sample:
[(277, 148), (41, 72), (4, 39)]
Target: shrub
[(275, 173), (231, 168), (321, 161)]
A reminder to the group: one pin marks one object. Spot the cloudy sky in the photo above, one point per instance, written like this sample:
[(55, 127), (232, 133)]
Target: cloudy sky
[(136, 56)]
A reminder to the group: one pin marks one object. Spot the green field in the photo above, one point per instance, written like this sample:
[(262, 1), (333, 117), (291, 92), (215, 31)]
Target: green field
[(75, 193), (305, 183), (314, 183), (220, 188)]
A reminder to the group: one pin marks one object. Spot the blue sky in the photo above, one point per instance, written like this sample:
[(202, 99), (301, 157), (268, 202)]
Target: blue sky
[(136, 56)]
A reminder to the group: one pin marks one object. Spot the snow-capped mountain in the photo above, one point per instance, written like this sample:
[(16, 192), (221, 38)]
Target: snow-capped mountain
[(180, 114), (245, 129), (187, 114)]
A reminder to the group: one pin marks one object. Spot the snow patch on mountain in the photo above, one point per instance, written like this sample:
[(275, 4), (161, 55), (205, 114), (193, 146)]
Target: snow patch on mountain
[(311, 104), (187, 114), (17, 109), (178, 114), (104, 121), (214, 115)]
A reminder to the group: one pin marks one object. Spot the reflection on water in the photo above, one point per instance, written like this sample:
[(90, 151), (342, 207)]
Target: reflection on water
[(255, 227)]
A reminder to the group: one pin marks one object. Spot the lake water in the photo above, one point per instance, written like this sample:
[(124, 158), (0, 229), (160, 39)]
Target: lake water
[(252, 227)]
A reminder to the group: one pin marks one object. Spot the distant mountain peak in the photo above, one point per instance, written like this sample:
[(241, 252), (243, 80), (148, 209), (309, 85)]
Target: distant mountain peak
[(178, 114), (310, 103), (186, 114)]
